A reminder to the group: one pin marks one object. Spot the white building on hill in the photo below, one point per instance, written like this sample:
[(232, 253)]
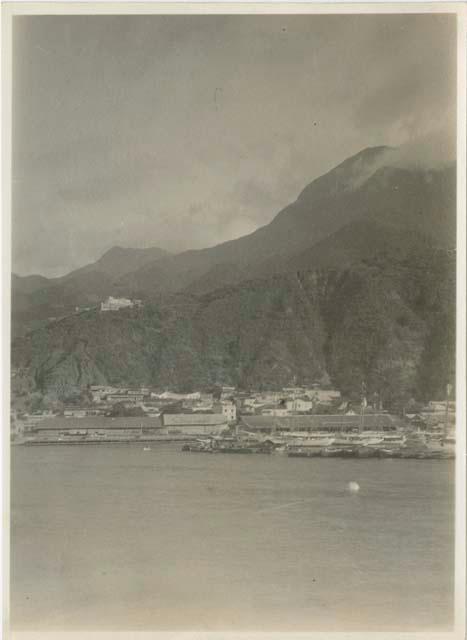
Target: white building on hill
[(115, 304)]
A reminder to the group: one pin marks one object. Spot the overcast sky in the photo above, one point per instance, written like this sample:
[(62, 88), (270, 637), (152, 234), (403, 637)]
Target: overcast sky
[(185, 131)]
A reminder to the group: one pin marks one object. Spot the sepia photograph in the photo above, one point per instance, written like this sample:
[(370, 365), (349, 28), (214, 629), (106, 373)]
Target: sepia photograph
[(234, 401)]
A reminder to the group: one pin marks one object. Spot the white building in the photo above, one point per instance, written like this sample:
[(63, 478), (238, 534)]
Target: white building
[(325, 396), (203, 407), (259, 399), (115, 304), (229, 410), (293, 391), (299, 405), (100, 392), (228, 389), (75, 413), (169, 395)]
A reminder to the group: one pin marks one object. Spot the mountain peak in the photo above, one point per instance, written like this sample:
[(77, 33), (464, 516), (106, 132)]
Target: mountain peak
[(118, 261), (348, 175), (112, 251), (368, 153)]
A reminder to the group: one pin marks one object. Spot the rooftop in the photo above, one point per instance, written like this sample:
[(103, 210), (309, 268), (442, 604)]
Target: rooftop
[(99, 422), (296, 423), (195, 419)]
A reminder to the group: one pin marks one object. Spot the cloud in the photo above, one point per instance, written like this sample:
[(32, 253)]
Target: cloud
[(434, 150), (185, 131)]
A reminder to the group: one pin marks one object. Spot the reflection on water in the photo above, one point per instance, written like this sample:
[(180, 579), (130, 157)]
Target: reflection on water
[(112, 537)]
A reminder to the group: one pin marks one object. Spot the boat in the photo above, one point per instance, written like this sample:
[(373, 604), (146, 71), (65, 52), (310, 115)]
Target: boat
[(296, 451), (235, 444), (386, 440), (147, 449), (230, 448), (389, 453), (348, 452), (332, 452), (308, 445), (200, 446), (355, 440), (280, 450), (441, 446)]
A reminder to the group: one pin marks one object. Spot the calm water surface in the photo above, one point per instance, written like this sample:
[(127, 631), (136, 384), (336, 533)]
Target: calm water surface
[(114, 537)]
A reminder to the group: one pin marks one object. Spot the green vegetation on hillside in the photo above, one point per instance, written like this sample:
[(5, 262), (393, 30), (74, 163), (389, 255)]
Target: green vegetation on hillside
[(388, 323)]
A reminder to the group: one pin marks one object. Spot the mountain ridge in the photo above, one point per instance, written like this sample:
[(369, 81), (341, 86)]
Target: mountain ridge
[(321, 291)]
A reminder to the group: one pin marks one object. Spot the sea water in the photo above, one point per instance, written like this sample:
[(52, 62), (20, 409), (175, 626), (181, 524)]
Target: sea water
[(114, 537)]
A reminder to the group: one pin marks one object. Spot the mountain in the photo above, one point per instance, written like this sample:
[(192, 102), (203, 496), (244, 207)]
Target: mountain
[(365, 198), (354, 280), (403, 202), (115, 263), (119, 261)]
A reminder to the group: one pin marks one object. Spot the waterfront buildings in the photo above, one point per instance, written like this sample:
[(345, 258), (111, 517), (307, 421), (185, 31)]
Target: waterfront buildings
[(116, 413), (96, 428), (193, 423), (329, 423)]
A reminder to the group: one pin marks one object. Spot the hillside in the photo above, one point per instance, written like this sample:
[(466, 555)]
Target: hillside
[(35, 298), (387, 322)]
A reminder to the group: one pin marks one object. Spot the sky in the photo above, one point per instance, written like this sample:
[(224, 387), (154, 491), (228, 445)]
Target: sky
[(186, 131)]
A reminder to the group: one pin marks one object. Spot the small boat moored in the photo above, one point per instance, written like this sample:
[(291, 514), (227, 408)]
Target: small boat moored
[(332, 452)]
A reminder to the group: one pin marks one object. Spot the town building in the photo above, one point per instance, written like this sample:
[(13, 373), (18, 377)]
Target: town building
[(331, 423), (92, 429), (229, 410), (174, 397), (325, 396), (100, 392), (31, 420), (268, 397), (291, 391), (129, 398), (204, 406), (74, 412), (299, 405), (194, 423), (227, 391)]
